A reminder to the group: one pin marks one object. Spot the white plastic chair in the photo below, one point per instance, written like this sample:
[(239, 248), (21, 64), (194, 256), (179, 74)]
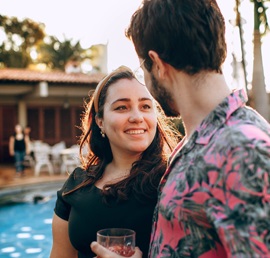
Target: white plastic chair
[(56, 154), (70, 159), (28, 158), (29, 161), (42, 158)]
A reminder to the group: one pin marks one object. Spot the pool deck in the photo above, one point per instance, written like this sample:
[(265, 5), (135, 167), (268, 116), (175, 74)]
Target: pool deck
[(9, 180), (24, 189)]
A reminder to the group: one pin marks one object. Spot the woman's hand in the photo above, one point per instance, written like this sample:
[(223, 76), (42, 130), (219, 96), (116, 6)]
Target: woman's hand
[(102, 252)]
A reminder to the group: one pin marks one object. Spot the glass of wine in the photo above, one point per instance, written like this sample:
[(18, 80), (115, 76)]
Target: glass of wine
[(118, 240)]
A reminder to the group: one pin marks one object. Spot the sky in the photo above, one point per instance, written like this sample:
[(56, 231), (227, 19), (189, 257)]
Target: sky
[(104, 22), (91, 22)]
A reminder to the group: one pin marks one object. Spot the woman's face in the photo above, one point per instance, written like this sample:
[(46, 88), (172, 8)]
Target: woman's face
[(129, 120), (18, 129)]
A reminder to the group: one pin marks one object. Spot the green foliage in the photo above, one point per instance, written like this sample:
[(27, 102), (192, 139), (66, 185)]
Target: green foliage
[(260, 18), (12, 58), (55, 54), (21, 37)]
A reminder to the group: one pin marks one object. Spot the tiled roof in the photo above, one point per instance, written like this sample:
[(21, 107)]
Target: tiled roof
[(12, 74)]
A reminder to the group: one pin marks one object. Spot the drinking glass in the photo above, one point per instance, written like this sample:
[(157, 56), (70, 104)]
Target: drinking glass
[(118, 240)]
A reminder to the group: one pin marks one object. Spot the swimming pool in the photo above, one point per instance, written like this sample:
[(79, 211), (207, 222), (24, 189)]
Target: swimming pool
[(25, 228)]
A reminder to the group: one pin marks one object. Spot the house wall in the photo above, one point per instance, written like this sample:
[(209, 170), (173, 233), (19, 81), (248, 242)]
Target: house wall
[(8, 119), (52, 119), (48, 123)]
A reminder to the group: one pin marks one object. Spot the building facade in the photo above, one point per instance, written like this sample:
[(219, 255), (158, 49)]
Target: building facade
[(50, 103)]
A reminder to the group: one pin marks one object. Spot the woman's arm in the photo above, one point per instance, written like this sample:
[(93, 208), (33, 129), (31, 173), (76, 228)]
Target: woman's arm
[(62, 248), (11, 145)]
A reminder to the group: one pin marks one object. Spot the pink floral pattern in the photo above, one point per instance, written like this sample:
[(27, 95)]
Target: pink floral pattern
[(214, 199)]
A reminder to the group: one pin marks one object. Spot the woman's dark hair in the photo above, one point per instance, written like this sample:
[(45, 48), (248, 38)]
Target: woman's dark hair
[(145, 173), (187, 34)]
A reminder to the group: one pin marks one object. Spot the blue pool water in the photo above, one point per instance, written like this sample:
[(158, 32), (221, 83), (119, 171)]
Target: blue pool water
[(25, 229)]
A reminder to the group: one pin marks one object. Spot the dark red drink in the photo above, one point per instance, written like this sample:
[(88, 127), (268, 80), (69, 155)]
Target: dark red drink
[(125, 251)]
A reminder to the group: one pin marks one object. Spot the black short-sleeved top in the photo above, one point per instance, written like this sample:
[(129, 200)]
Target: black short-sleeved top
[(86, 213), (19, 145)]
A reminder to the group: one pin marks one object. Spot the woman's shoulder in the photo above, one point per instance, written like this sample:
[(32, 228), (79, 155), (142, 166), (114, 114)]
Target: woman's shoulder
[(78, 176), (78, 173)]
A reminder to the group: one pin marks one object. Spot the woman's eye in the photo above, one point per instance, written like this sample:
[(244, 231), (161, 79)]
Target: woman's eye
[(121, 108), (146, 106)]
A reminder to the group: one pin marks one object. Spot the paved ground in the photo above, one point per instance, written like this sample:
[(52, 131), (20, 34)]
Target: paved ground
[(8, 178)]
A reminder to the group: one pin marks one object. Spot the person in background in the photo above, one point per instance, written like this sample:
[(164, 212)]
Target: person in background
[(27, 131), (128, 144), (19, 147), (214, 199)]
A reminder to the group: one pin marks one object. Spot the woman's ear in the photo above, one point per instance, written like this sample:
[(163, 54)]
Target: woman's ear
[(159, 66), (99, 122)]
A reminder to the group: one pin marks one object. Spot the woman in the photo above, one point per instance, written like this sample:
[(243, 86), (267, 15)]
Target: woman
[(128, 146), (19, 147)]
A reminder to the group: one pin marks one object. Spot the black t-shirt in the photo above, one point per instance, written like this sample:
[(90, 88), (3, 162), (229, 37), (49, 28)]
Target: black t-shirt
[(86, 213), (19, 145)]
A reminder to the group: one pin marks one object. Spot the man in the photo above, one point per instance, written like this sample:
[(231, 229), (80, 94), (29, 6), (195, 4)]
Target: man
[(214, 199)]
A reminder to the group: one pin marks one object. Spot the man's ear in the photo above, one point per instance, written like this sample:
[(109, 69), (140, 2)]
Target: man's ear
[(158, 64)]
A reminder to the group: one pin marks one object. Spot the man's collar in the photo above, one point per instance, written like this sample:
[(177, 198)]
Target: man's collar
[(220, 115)]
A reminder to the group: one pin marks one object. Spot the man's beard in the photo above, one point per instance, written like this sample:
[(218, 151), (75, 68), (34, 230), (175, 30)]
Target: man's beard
[(163, 97)]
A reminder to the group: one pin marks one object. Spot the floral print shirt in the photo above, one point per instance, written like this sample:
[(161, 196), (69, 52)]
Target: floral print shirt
[(214, 199)]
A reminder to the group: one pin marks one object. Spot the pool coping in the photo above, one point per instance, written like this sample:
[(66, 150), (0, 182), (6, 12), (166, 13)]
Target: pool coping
[(15, 194)]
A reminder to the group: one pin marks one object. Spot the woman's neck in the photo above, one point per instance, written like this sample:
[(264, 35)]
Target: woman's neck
[(19, 136), (118, 169), (113, 174)]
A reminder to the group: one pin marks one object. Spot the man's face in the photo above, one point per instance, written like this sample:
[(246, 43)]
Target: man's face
[(162, 95)]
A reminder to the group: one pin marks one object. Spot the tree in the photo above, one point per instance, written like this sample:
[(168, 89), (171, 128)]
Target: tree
[(238, 23), (25, 38), (55, 54), (20, 38), (261, 26)]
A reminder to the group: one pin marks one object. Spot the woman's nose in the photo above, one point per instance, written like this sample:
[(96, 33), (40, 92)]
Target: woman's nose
[(136, 116)]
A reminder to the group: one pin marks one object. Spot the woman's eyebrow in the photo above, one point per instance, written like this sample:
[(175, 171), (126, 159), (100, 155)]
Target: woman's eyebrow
[(128, 99)]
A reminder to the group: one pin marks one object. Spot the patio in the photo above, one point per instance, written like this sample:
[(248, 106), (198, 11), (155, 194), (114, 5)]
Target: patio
[(8, 179)]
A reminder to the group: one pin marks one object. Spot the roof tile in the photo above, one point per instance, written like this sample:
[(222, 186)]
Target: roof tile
[(14, 74)]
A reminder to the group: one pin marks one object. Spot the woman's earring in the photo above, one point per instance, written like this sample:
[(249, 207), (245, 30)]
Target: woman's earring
[(102, 134)]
